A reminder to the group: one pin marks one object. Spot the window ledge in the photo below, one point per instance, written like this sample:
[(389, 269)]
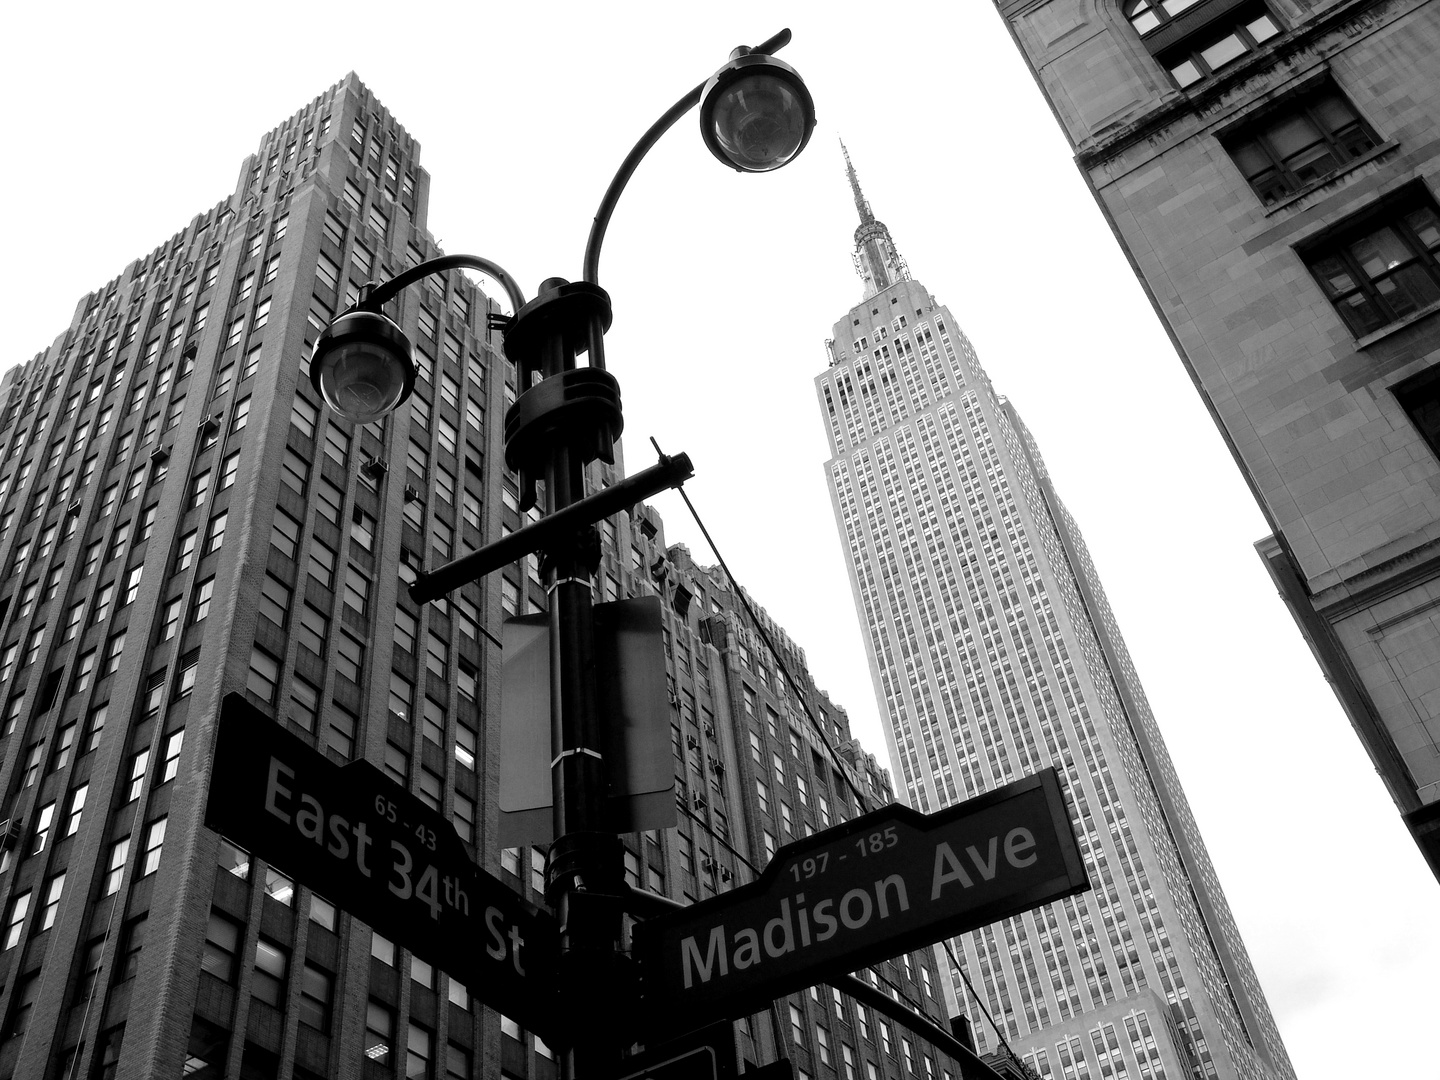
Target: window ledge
[(1400, 324), (1364, 159)]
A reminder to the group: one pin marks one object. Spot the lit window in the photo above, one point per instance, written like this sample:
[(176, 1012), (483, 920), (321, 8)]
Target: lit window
[(1382, 267), (154, 839), (115, 867), (1232, 34), (200, 601), (271, 963), (171, 766), (379, 1031), (15, 924)]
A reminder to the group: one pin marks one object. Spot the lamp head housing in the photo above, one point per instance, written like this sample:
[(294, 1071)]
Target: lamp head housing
[(756, 113), (363, 366)]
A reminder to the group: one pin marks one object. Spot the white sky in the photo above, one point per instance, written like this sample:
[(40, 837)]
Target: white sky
[(126, 120)]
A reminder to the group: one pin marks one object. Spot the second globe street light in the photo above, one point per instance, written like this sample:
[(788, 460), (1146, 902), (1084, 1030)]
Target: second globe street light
[(755, 116)]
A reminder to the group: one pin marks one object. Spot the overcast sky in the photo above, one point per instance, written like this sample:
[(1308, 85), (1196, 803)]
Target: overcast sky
[(127, 120)]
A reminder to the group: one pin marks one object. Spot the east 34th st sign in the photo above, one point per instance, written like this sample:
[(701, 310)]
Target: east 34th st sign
[(861, 892), (368, 845)]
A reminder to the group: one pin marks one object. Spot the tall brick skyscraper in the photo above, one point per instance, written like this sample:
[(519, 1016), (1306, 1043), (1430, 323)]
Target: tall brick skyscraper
[(180, 518), (994, 654), (1271, 171)]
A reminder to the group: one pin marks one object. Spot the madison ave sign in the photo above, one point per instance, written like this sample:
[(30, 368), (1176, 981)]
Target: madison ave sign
[(367, 844), (858, 893)]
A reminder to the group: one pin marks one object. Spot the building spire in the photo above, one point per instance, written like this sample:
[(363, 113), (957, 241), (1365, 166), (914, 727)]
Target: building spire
[(876, 260), (861, 204)]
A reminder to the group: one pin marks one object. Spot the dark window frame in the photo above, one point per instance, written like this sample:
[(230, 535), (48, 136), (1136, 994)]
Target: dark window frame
[(1335, 247), (1419, 396), (1286, 174)]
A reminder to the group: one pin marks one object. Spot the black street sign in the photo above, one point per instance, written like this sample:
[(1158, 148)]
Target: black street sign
[(365, 843), (706, 1054), (861, 892)]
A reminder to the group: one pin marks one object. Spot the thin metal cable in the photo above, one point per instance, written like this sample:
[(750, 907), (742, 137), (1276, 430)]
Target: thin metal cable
[(860, 798)]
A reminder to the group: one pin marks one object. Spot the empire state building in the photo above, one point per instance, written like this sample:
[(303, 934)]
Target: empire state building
[(994, 653)]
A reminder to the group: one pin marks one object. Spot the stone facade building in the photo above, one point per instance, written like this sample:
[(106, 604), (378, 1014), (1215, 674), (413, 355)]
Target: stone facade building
[(1270, 168)]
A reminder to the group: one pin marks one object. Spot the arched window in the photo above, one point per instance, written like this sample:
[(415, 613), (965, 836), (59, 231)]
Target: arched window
[(1146, 15)]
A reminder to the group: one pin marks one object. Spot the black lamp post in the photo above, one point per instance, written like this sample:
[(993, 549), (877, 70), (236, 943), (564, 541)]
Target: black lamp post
[(756, 117)]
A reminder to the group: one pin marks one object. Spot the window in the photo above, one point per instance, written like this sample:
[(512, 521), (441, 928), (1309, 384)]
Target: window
[(228, 468), (1215, 45), (200, 601), (127, 964), (1383, 266), (268, 983), (222, 945), (96, 726), (349, 657), (419, 1052), (1308, 140), (275, 601), (396, 764), (304, 704), (185, 553), (328, 501), (251, 363), (337, 445), (303, 417), (233, 860), (464, 818), (340, 734), (27, 989), (154, 838), (1419, 396), (43, 820), (138, 764), (77, 807), (115, 867), (314, 629), (170, 618), (264, 675), (327, 273), (379, 1032), (458, 1062), (185, 680), (322, 912), (357, 591), (317, 987), (437, 658), (294, 472), (466, 741), (1148, 15), (113, 648), (285, 534), (215, 536), (198, 489), (362, 529), (171, 766), (382, 949), (322, 564)]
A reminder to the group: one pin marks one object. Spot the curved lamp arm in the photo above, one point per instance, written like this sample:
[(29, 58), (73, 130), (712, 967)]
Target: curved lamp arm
[(650, 138), (384, 293)]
